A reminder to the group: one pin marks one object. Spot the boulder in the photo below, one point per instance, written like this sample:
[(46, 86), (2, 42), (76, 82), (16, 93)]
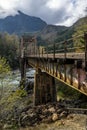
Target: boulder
[(55, 117), (52, 110)]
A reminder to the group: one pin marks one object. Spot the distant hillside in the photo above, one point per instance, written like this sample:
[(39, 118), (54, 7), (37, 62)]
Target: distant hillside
[(21, 23), (50, 32), (80, 25), (80, 22), (55, 34)]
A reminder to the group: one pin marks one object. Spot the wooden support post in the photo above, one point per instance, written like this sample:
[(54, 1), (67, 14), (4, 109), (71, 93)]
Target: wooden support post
[(23, 71), (65, 72), (54, 92), (22, 63), (60, 72), (57, 69), (79, 67), (50, 67), (46, 65), (85, 38), (71, 75), (53, 68), (39, 51), (47, 52), (65, 44), (43, 64), (42, 52), (79, 83), (54, 51), (65, 48)]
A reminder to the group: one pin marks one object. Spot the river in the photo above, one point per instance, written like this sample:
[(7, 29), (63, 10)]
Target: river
[(12, 81)]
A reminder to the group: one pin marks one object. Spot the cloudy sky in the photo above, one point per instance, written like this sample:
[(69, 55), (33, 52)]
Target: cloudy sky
[(58, 12)]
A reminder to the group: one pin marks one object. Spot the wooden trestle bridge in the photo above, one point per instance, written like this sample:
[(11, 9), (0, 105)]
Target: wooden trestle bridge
[(62, 61)]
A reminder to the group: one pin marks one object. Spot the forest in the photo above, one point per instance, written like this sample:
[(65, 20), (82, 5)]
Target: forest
[(9, 45)]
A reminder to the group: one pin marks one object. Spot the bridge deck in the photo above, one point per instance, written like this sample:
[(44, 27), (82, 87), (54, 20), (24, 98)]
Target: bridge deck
[(60, 56), (64, 72)]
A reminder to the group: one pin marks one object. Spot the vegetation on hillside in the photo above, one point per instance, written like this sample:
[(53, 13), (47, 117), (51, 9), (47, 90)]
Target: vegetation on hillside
[(4, 71), (8, 48), (80, 29), (40, 41)]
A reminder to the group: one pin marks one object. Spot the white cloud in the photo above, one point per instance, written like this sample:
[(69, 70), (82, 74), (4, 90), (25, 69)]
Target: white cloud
[(57, 4), (8, 7), (76, 11), (64, 12), (9, 4)]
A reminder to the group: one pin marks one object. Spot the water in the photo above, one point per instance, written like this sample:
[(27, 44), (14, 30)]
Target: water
[(13, 80)]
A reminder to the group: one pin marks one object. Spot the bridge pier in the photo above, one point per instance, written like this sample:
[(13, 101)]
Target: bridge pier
[(23, 71), (44, 88)]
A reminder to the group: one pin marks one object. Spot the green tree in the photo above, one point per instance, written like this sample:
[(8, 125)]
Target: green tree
[(79, 31), (8, 48), (4, 71)]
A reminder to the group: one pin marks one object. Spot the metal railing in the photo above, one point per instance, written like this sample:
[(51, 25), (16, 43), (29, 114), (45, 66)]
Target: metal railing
[(76, 44)]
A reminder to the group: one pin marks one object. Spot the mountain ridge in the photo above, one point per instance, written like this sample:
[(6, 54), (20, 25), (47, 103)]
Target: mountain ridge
[(61, 32), (21, 23)]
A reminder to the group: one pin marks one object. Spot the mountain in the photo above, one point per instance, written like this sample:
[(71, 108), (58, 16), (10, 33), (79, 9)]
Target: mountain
[(53, 33), (21, 23), (50, 32)]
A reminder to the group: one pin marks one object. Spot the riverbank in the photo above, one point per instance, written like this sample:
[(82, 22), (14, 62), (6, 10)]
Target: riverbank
[(72, 122), (17, 112)]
